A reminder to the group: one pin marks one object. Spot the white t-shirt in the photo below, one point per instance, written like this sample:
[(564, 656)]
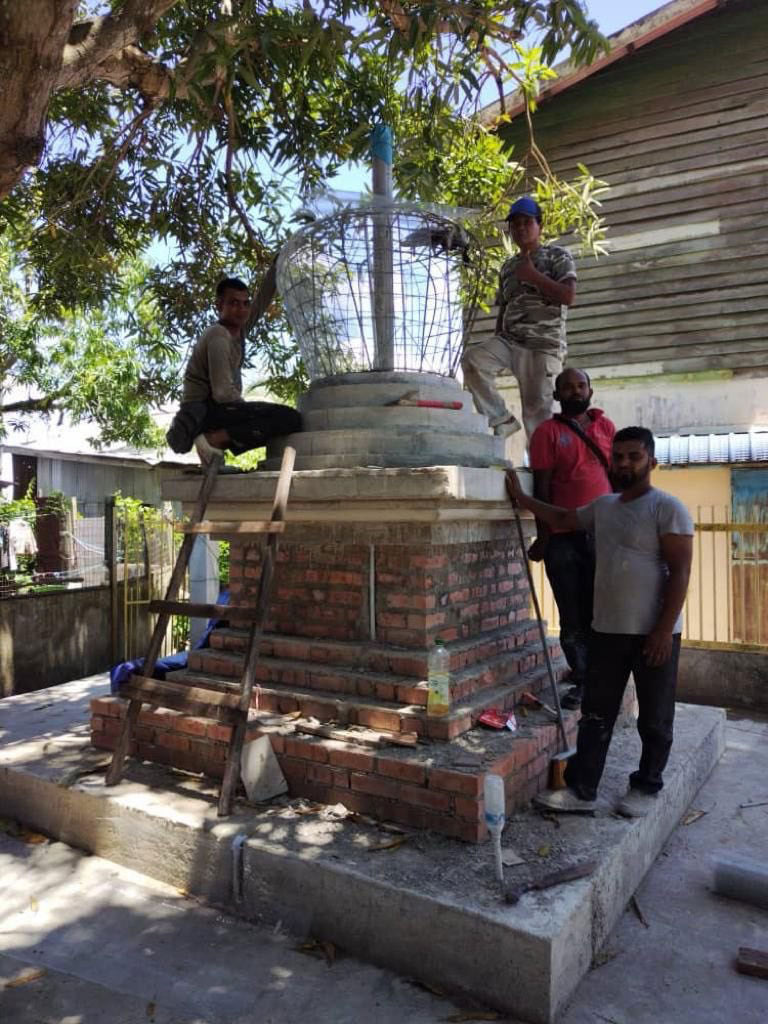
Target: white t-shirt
[(630, 572)]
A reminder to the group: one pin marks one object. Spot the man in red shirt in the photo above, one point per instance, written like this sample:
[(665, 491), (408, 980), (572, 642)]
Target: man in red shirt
[(570, 455)]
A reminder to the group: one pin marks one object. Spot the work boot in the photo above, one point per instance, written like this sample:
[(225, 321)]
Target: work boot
[(572, 699), (205, 450), (636, 803), (508, 427), (563, 801)]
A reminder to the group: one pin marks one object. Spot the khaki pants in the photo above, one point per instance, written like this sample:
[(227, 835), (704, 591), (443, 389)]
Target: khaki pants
[(535, 372)]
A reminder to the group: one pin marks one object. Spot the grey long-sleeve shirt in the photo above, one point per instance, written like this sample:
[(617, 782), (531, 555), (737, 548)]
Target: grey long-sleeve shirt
[(215, 368)]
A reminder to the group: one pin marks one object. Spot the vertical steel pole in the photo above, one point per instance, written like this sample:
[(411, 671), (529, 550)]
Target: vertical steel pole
[(383, 271)]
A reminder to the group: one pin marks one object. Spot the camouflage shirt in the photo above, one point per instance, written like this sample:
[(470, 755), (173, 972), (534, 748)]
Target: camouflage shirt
[(529, 318)]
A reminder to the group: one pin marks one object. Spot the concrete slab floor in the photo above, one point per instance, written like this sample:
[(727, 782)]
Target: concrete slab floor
[(677, 970), (120, 948)]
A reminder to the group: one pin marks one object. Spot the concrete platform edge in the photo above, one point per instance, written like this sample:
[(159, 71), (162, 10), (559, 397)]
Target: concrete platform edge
[(520, 972)]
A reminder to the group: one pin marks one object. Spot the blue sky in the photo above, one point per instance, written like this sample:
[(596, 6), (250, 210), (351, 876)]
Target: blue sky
[(611, 16)]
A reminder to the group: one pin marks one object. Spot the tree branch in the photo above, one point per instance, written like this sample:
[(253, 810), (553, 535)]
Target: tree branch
[(92, 43), (45, 404)]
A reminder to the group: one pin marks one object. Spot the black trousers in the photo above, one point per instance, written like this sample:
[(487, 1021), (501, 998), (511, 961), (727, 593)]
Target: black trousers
[(612, 656), (251, 424), (570, 563)]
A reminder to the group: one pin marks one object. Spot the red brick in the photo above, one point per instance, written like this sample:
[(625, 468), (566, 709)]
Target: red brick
[(455, 782), (433, 799), (387, 619), (277, 741), (504, 765), (416, 602), (413, 695), (434, 561), (468, 809), (405, 771), (358, 760), (192, 726), (295, 770), (172, 741), (359, 802), (163, 718), (316, 709), (102, 741), (209, 751), (109, 706), (405, 637), (111, 726), (307, 749), (339, 778), (219, 733), (539, 768), (388, 721), (374, 785), (350, 598), (319, 774), (350, 578), (471, 832)]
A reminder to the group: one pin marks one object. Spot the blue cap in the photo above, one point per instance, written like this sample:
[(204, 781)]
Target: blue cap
[(525, 205)]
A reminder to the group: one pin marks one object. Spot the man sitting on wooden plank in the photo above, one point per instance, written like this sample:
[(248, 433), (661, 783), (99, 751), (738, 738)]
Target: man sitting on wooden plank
[(213, 414)]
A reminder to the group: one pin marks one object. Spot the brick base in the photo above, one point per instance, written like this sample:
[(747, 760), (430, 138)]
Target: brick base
[(325, 656), (421, 788)]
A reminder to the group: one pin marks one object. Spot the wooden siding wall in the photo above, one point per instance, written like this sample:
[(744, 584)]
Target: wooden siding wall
[(680, 131)]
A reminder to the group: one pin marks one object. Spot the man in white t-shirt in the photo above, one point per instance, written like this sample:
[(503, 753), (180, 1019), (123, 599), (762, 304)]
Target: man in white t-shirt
[(644, 546)]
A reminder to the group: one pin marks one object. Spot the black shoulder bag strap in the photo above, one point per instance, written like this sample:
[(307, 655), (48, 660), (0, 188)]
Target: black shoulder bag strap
[(596, 451)]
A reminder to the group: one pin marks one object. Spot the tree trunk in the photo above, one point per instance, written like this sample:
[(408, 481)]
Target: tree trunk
[(33, 34)]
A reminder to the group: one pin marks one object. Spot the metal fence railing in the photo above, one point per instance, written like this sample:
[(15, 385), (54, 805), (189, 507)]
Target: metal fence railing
[(727, 602)]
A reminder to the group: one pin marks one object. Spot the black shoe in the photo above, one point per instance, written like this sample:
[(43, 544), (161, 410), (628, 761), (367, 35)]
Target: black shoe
[(572, 699)]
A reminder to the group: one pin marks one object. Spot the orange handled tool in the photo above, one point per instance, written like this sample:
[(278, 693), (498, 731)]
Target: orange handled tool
[(425, 403)]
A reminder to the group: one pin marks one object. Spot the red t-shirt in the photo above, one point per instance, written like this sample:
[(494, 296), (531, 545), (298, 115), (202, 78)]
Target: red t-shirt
[(577, 475)]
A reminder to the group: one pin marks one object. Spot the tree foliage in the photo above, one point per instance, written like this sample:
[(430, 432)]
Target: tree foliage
[(161, 141)]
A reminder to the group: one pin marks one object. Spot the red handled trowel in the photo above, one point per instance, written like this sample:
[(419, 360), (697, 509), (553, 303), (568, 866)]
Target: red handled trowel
[(411, 398)]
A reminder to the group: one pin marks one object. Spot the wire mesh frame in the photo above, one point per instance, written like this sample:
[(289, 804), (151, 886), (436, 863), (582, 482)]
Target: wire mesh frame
[(331, 276)]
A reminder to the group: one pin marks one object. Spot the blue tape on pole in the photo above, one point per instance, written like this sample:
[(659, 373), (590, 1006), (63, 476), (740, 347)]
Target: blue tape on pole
[(381, 143)]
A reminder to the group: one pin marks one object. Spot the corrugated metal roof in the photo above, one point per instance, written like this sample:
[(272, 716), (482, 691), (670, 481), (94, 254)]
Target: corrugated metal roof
[(703, 449)]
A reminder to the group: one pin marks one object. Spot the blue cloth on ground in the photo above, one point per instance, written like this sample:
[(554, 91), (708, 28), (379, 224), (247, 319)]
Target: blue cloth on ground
[(122, 673)]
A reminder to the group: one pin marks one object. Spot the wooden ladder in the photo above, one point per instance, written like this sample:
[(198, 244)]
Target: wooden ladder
[(226, 702)]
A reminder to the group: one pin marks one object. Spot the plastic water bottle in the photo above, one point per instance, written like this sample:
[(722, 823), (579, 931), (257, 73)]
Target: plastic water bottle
[(439, 680), (494, 817)]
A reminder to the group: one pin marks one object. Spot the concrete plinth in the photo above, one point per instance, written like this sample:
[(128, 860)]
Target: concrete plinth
[(429, 909), (349, 420)]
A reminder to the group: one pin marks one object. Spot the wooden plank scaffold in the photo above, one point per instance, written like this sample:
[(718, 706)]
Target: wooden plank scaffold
[(231, 705)]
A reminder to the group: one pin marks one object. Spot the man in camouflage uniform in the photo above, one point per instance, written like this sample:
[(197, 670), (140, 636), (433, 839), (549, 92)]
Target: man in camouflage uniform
[(535, 289)]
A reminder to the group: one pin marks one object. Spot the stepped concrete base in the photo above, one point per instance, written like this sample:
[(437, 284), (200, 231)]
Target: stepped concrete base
[(429, 909), (349, 420)]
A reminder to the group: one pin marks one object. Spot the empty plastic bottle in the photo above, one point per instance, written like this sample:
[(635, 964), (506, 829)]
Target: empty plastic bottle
[(494, 817), (439, 680)]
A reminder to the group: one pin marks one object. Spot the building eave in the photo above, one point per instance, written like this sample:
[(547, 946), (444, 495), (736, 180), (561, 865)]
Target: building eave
[(623, 44)]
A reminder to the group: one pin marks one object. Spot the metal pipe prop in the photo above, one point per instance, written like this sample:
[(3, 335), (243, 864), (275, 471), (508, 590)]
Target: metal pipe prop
[(542, 634)]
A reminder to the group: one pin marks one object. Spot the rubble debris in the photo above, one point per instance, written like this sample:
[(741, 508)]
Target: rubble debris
[(566, 874), (638, 912), (752, 961), (25, 976)]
